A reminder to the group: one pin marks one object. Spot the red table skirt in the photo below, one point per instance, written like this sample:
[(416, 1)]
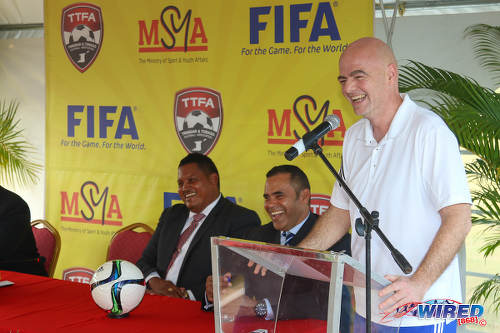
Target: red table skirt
[(36, 304)]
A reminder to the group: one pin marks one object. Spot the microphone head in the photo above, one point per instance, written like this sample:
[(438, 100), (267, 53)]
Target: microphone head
[(333, 120), (291, 153)]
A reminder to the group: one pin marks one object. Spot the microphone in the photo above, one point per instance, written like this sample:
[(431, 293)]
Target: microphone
[(310, 138)]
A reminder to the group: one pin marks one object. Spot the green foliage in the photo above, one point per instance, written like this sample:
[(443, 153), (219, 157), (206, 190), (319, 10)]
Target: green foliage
[(485, 40), (489, 289), (14, 150), (473, 113)]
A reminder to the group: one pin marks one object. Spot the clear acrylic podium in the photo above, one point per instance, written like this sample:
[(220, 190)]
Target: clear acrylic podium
[(303, 290)]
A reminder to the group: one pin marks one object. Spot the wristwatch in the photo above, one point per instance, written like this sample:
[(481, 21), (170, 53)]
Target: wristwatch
[(261, 309)]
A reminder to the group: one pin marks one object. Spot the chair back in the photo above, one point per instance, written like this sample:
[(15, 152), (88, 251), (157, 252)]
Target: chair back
[(48, 243), (128, 244)]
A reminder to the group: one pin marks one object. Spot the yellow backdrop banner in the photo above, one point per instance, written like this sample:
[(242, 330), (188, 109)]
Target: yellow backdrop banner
[(132, 87)]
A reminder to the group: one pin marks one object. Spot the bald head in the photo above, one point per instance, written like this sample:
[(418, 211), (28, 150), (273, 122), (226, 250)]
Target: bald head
[(372, 48), (368, 73)]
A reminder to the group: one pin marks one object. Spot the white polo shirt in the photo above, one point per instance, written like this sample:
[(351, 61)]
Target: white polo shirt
[(413, 172)]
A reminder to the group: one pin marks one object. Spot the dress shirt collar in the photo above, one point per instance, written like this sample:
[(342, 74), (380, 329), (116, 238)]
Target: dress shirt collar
[(207, 209), (398, 123), (296, 229)]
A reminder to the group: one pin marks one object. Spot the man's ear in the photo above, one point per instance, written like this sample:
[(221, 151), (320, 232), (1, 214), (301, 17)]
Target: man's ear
[(392, 72), (305, 195), (213, 178)]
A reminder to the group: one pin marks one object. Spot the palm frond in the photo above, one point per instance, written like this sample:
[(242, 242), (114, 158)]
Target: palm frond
[(14, 150), (488, 290), (482, 172), (486, 46), (437, 82), (471, 111)]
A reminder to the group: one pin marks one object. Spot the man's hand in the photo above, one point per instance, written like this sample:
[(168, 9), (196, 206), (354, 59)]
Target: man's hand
[(242, 306), (405, 289), (225, 282), (166, 288), (455, 224), (258, 268)]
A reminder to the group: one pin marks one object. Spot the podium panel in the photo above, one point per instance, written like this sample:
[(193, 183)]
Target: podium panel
[(301, 291)]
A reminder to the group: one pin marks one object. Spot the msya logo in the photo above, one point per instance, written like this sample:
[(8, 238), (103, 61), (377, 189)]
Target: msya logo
[(91, 205), (198, 118), (321, 23), (179, 32), (307, 113), (81, 28)]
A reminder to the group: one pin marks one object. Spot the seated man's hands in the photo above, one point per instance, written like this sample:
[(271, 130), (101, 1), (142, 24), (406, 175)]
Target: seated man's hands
[(225, 281), (243, 306), (258, 268), (163, 287)]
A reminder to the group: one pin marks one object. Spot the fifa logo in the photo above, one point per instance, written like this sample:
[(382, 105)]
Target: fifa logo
[(173, 198), (99, 206), (106, 118), (323, 24), (82, 31)]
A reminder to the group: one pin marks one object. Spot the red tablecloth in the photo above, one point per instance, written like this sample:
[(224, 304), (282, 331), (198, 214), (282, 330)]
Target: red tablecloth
[(36, 304)]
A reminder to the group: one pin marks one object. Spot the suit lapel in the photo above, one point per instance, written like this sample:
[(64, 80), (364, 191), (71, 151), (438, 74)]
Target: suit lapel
[(304, 231), (276, 236)]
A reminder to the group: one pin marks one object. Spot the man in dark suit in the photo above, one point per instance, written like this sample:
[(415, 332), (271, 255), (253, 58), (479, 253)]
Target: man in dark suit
[(18, 250), (177, 260), (287, 197)]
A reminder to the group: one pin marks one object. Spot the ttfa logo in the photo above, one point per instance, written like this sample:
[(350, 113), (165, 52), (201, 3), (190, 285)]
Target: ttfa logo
[(198, 118), (78, 274), (306, 113), (98, 206), (177, 34), (106, 116), (323, 23), (82, 31), (319, 203)]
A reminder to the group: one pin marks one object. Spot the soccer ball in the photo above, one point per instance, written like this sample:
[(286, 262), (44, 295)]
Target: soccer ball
[(118, 287), (82, 33), (198, 117)]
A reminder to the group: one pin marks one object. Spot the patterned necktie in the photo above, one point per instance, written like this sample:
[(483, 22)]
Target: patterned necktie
[(184, 237), (288, 236)]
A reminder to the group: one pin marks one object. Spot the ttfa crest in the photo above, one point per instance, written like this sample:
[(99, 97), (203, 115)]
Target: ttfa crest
[(198, 118), (82, 30)]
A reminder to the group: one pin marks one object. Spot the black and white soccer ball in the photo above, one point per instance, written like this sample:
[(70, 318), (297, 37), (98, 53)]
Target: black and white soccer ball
[(82, 33), (198, 117), (118, 287)]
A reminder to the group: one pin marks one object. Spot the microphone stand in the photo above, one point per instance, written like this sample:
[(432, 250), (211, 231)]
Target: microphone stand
[(365, 229)]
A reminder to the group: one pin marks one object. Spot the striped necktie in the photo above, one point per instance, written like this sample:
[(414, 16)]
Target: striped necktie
[(288, 236), (184, 237)]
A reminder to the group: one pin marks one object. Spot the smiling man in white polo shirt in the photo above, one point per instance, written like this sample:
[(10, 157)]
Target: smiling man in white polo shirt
[(402, 161)]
